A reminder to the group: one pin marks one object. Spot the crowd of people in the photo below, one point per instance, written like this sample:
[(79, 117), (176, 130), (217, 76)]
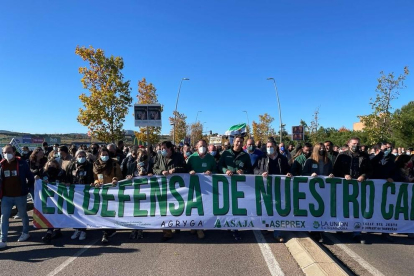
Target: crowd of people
[(96, 165)]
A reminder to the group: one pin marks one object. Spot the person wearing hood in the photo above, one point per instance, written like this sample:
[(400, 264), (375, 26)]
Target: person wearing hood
[(15, 180)]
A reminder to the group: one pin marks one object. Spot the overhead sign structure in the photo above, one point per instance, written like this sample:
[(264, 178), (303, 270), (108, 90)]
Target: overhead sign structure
[(147, 115), (297, 133)]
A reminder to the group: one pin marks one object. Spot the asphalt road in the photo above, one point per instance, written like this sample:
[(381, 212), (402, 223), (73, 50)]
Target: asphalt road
[(185, 254), (378, 256)]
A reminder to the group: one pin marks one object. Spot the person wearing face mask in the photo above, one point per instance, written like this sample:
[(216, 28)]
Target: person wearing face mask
[(284, 151), (106, 170), (79, 171), (318, 163), (201, 162), (273, 164), (213, 151), (26, 153), (52, 174), (254, 153), (353, 164), (169, 162), (64, 158), (142, 167), (298, 161), (15, 181), (129, 163), (54, 152), (186, 151)]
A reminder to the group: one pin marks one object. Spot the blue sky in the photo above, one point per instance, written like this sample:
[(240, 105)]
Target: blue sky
[(325, 54)]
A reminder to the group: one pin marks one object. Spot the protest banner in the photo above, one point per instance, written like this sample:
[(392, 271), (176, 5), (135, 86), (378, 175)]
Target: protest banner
[(243, 202)]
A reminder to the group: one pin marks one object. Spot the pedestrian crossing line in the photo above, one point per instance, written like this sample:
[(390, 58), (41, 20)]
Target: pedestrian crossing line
[(272, 264)]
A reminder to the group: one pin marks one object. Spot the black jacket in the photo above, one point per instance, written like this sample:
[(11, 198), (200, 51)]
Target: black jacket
[(382, 166), (343, 164), (79, 173), (282, 166), (309, 168), (176, 161), (128, 165)]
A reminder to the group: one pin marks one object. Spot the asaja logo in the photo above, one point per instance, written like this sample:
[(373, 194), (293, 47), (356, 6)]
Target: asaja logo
[(217, 224), (316, 225), (357, 225)]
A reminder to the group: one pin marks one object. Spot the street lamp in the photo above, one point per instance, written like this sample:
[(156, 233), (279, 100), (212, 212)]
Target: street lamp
[(280, 111), (197, 115), (248, 123), (176, 104)]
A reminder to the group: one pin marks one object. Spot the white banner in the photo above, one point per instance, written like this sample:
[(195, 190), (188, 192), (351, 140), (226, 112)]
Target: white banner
[(243, 202)]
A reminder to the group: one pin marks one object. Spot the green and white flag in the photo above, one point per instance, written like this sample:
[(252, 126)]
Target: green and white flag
[(239, 129)]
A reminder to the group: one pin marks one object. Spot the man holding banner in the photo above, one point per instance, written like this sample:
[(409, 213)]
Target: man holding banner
[(273, 164), (169, 162), (353, 164), (201, 162)]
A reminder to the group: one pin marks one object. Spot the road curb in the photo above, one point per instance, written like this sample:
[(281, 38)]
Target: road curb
[(310, 257)]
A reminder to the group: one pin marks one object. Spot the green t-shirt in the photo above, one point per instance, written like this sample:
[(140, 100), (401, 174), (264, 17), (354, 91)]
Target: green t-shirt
[(201, 165)]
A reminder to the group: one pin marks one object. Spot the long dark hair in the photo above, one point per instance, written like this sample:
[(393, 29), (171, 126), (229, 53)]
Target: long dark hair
[(33, 156)]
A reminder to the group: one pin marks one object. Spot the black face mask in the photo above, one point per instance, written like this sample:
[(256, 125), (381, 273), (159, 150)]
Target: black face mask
[(143, 158), (322, 152), (52, 171), (355, 148), (308, 154), (94, 151), (111, 154)]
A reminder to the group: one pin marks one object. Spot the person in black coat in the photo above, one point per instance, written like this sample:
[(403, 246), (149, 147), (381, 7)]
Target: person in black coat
[(273, 164)]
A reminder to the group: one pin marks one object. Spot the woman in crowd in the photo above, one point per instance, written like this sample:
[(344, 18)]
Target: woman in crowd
[(79, 171), (52, 173), (318, 164), (37, 162), (142, 168), (106, 170)]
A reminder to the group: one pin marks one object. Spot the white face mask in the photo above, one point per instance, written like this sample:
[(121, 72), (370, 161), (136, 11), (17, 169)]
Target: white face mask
[(8, 156), (202, 150), (408, 152)]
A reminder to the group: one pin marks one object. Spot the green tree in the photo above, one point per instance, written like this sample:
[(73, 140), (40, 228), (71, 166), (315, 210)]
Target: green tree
[(147, 94), (403, 122), (263, 129), (110, 96), (378, 124), (179, 120), (196, 132)]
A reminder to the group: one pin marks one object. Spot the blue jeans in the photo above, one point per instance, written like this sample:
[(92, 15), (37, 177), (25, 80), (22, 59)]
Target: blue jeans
[(7, 204)]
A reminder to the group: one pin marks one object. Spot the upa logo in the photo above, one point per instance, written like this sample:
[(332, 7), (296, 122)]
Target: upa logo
[(316, 225), (357, 225)]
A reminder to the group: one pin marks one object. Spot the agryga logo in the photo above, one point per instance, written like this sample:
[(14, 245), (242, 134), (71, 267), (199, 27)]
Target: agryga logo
[(316, 225), (357, 225)]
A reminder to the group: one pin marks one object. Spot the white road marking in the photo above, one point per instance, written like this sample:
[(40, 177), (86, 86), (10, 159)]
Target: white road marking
[(71, 259), (354, 255), (271, 262)]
